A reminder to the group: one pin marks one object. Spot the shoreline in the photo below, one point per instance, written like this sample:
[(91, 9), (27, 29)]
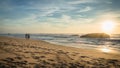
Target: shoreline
[(30, 53)]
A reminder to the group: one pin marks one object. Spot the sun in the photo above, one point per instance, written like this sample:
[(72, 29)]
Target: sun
[(108, 26)]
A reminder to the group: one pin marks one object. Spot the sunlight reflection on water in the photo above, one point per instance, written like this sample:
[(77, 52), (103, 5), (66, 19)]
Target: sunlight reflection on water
[(107, 49)]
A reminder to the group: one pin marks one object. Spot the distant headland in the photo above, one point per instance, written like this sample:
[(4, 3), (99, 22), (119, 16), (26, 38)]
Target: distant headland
[(95, 35)]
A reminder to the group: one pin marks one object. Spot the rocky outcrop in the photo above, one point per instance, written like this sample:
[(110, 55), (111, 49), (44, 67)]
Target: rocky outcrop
[(95, 35)]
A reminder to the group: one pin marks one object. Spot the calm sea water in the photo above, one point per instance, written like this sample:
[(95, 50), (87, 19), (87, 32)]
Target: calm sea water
[(73, 40)]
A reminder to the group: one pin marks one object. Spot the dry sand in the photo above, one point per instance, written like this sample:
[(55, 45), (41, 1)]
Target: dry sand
[(22, 53)]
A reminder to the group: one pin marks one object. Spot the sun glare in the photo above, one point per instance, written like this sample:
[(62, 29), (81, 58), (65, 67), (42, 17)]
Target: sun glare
[(105, 49), (108, 26)]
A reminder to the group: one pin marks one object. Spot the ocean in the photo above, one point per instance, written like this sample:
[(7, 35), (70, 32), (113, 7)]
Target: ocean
[(74, 40)]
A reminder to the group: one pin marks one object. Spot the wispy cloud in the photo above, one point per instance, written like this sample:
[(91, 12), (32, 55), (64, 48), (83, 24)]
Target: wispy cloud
[(81, 1), (85, 9), (49, 11), (65, 19)]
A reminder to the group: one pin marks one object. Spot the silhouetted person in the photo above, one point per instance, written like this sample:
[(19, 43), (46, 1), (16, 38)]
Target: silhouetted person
[(28, 36)]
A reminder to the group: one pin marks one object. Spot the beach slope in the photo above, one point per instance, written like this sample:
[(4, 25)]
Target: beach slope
[(22, 53)]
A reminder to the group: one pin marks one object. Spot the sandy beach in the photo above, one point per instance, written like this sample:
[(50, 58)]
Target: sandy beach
[(22, 53)]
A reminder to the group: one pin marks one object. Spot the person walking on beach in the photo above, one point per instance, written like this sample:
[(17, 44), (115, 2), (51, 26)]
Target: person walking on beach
[(27, 36)]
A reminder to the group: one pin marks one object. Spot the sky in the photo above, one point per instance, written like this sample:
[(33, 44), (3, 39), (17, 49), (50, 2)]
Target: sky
[(58, 16)]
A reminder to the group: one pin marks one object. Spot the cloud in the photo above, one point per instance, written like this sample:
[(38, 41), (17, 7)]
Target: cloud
[(109, 15), (31, 19), (49, 11), (109, 2), (85, 9), (68, 20), (81, 2)]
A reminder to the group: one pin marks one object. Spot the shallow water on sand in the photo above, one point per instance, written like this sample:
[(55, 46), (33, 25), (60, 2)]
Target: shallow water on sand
[(75, 40)]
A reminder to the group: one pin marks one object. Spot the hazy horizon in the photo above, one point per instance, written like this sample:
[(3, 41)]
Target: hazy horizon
[(60, 16)]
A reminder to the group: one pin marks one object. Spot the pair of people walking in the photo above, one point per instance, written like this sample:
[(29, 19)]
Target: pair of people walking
[(27, 36)]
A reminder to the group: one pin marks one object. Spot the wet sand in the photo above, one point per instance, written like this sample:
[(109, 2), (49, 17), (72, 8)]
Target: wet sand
[(22, 53)]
